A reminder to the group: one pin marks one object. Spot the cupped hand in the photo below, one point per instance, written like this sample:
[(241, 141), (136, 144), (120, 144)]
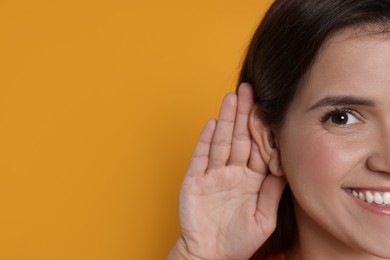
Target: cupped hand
[(228, 200)]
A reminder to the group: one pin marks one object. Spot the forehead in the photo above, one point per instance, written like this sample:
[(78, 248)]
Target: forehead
[(351, 45), (348, 62)]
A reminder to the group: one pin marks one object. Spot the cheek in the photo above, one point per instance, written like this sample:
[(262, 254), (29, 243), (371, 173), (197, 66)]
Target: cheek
[(313, 160)]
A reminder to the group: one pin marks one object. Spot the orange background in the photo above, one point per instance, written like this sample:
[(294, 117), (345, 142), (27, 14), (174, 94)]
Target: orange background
[(101, 103)]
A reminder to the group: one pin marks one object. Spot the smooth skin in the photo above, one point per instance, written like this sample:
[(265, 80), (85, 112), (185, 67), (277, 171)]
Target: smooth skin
[(323, 156), (229, 199)]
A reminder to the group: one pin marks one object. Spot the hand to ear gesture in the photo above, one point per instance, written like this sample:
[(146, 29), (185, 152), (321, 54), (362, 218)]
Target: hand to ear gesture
[(228, 201)]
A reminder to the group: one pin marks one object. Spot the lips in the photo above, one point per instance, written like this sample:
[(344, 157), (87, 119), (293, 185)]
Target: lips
[(371, 196)]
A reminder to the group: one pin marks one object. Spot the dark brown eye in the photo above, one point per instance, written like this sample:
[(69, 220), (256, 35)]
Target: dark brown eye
[(340, 117)]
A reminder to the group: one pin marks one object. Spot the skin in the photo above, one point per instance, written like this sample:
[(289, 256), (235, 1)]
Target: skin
[(228, 201), (232, 188), (322, 158)]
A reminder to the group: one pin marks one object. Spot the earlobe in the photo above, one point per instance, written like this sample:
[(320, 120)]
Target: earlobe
[(264, 138)]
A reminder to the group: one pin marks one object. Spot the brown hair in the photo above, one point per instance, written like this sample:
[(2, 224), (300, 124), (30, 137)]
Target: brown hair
[(282, 50)]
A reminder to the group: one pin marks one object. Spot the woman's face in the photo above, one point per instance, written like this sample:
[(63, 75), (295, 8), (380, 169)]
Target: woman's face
[(335, 146)]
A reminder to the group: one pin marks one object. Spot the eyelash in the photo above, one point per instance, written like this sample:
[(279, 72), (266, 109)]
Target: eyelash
[(337, 111)]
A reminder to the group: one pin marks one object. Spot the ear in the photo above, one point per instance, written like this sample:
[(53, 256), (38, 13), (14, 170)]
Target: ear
[(266, 141)]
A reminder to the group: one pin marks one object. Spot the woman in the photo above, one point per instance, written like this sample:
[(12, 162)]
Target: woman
[(298, 164)]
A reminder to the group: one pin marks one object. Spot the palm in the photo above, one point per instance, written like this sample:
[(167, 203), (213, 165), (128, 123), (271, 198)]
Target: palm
[(226, 207), (228, 197)]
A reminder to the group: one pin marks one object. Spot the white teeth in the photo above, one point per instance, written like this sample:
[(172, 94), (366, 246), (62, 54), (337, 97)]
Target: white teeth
[(386, 198), (370, 197), (378, 198)]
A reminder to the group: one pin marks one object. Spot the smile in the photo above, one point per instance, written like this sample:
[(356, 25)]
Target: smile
[(370, 196)]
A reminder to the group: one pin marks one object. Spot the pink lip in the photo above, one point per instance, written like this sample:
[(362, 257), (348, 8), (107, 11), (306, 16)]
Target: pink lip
[(372, 188), (383, 210)]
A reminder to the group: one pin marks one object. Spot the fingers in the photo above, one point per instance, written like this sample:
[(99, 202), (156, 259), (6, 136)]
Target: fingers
[(230, 141), (268, 201), (241, 143), (200, 158), (221, 142)]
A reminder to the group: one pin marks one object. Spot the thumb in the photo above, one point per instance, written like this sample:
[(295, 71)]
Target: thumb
[(268, 202)]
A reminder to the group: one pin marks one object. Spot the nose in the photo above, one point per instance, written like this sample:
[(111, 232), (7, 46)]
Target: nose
[(379, 162), (379, 158), (379, 147)]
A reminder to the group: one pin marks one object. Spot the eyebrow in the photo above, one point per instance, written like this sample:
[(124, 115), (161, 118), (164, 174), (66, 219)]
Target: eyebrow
[(342, 101)]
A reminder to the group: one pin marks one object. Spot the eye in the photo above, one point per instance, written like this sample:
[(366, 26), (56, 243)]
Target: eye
[(340, 117)]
